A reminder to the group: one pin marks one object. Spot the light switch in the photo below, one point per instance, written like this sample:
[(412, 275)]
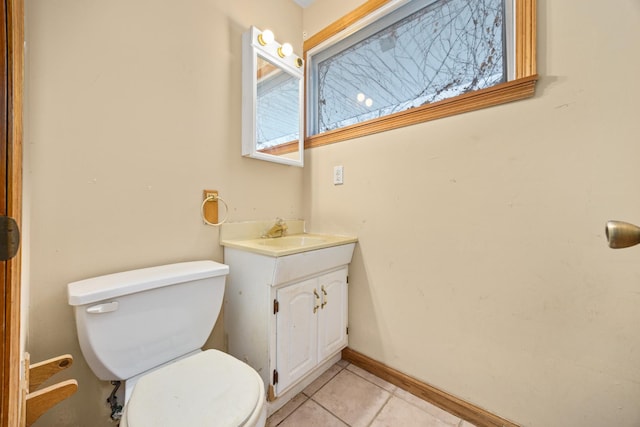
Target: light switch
[(338, 175)]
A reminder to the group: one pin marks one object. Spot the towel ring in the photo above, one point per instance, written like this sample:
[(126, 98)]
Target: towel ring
[(214, 198)]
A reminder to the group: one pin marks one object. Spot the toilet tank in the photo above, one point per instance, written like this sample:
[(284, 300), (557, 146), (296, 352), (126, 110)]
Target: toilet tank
[(133, 321)]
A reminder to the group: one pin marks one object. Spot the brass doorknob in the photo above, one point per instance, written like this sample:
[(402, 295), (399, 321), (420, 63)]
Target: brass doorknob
[(622, 234)]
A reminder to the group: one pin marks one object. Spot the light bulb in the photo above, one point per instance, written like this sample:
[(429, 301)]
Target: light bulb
[(360, 97), (368, 102), (285, 50), (266, 37)]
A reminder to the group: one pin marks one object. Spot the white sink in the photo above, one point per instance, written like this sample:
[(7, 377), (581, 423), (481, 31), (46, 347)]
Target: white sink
[(297, 241), (287, 245)]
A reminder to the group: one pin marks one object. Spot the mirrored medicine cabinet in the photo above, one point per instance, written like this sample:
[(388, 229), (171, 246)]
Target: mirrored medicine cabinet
[(272, 100)]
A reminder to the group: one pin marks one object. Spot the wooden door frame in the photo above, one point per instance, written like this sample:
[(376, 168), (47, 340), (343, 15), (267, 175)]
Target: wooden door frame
[(11, 392)]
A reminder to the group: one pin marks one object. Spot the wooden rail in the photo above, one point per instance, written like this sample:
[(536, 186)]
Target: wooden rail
[(36, 402)]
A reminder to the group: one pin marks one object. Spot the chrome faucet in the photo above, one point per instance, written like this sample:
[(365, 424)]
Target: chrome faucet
[(277, 230)]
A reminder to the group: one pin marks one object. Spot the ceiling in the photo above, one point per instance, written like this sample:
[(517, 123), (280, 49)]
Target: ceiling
[(304, 3)]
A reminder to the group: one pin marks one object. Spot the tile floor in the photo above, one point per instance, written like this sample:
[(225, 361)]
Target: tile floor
[(346, 395)]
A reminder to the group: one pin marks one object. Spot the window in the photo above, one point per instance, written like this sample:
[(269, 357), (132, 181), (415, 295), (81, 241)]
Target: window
[(404, 62)]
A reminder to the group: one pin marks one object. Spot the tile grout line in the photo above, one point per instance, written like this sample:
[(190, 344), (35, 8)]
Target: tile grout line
[(323, 385), (337, 417), (292, 412), (390, 395), (381, 408), (326, 382), (361, 377), (319, 404), (458, 424), (393, 393), (371, 382), (310, 398)]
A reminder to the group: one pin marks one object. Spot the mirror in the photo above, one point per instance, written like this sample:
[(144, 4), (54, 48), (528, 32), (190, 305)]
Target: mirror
[(272, 96)]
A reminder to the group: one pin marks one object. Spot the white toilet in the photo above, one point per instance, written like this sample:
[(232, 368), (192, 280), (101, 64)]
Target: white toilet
[(146, 327)]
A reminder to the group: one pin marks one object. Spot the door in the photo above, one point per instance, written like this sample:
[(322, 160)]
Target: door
[(11, 63), (332, 322), (296, 332)]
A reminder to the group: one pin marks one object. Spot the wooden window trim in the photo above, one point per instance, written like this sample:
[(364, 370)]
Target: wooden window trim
[(523, 86)]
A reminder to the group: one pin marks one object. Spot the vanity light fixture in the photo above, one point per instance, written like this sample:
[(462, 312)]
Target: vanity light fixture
[(266, 37), (268, 78), (285, 50)]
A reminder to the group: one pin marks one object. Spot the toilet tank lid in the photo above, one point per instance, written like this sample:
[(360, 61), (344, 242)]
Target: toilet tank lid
[(128, 282)]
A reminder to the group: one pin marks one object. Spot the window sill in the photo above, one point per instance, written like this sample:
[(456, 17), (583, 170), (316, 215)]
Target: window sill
[(500, 94)]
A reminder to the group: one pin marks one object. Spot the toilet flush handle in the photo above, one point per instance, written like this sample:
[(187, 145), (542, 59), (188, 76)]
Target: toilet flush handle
[(103, 308)]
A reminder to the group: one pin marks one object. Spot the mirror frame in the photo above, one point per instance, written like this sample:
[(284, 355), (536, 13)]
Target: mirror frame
[(292, 65)]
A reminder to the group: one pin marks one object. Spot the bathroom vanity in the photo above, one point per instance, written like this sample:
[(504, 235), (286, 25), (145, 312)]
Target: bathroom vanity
[(286, 300)]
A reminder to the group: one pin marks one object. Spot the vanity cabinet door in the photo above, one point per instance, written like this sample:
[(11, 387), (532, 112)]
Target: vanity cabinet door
[(332, 320), (296, 331)]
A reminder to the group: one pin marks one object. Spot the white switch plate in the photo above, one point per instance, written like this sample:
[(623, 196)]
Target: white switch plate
[(338, 175)]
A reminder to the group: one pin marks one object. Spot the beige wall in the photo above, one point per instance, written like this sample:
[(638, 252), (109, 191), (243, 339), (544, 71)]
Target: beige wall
[(132, 109), (482, 266)]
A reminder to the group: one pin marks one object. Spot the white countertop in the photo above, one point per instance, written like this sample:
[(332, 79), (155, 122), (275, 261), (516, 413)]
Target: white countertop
[(289, 244)]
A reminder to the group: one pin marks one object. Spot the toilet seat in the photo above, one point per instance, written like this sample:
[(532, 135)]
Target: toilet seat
[(210, 388)]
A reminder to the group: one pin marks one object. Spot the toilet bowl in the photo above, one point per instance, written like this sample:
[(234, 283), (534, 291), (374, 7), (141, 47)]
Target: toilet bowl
[(146, 327), (210, 388)]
